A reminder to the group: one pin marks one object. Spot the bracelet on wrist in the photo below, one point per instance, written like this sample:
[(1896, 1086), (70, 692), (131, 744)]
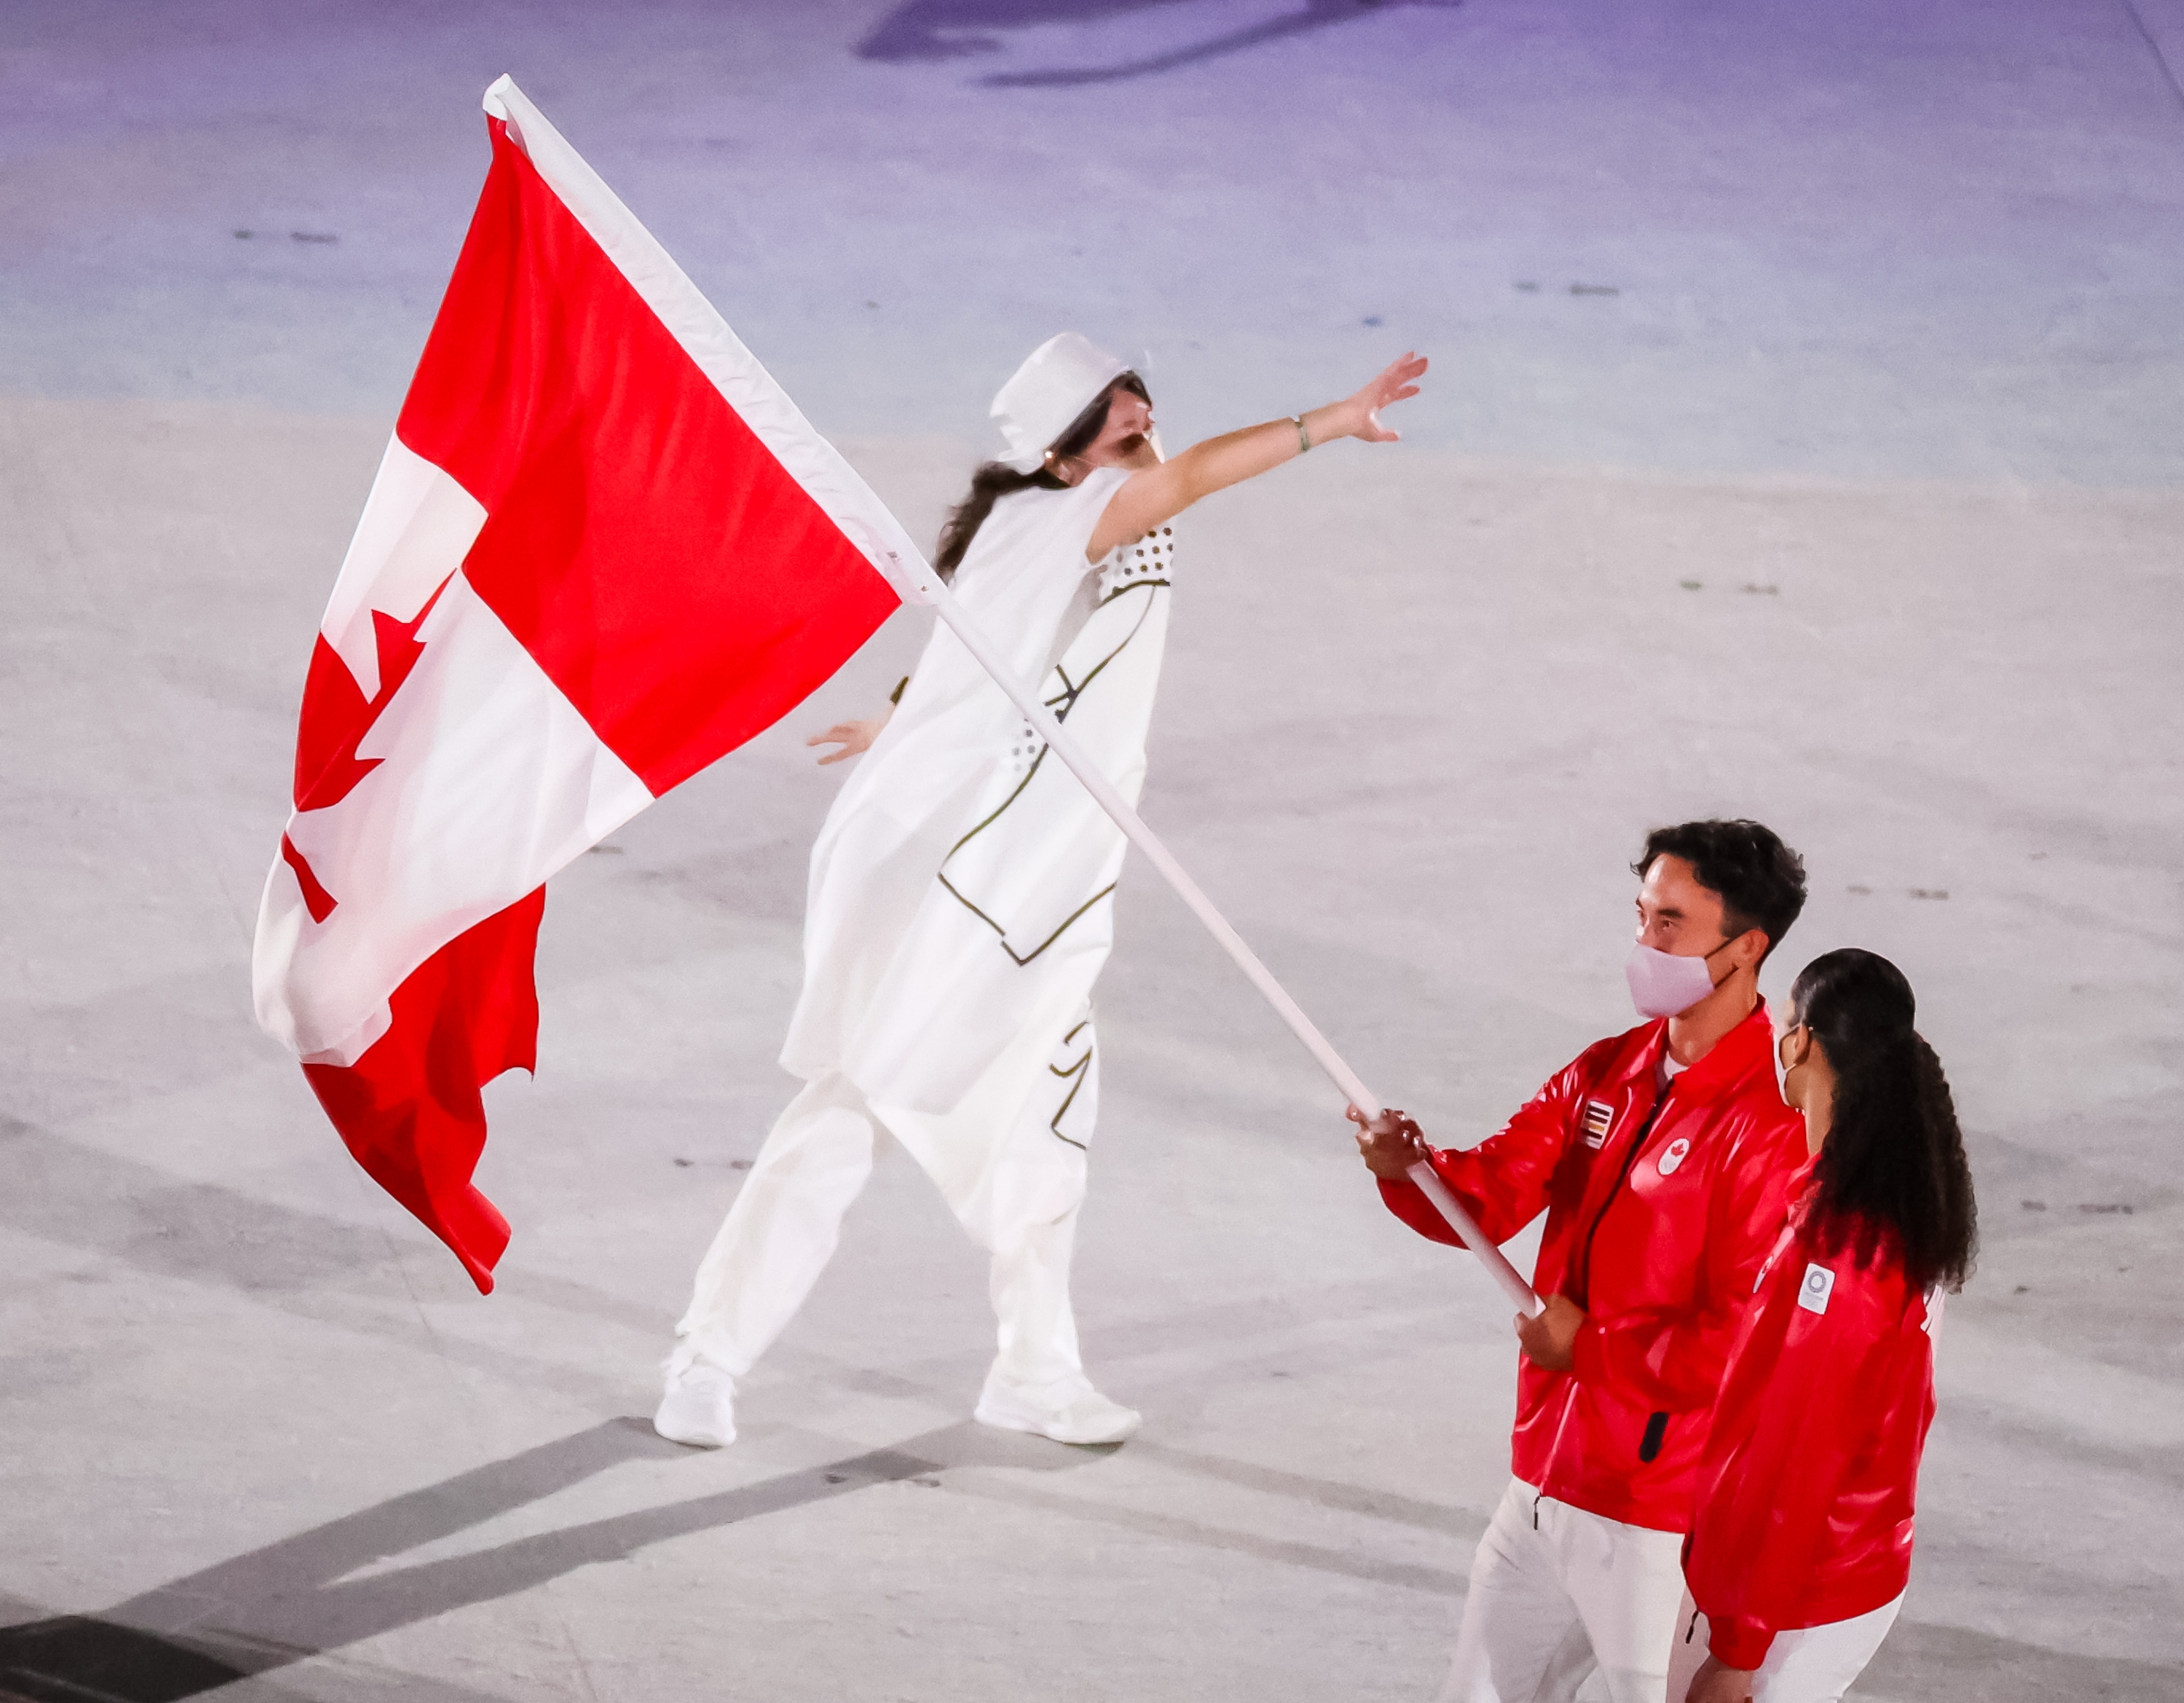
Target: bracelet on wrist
[(1304, 437)]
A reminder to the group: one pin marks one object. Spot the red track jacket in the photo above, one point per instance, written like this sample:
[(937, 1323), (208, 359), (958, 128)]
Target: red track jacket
[(1804, 1514), (1657, 1226)]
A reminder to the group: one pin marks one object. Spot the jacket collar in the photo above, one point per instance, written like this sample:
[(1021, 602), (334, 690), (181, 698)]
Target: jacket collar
[(1735, 1058)]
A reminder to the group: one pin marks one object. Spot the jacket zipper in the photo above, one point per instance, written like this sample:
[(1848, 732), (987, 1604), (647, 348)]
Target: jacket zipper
[(1629, 1160), (1569, 1395)]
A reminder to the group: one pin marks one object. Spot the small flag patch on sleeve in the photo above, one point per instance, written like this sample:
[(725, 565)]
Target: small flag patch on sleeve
[(1598, 1117)]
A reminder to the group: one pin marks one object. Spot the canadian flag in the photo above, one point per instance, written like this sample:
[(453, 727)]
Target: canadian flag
[(604, 549)]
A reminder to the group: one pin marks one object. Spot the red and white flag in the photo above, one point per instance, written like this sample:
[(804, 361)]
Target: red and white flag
[(604, 549)]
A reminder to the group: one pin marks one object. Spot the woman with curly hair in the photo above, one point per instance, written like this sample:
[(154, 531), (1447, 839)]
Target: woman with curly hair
[(1800, 1546)]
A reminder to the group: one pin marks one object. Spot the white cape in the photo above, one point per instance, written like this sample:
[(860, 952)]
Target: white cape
[(959, 905)]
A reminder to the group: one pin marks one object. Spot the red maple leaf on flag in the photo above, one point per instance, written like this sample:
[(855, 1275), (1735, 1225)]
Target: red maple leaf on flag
[(659, 558), (335, 717)]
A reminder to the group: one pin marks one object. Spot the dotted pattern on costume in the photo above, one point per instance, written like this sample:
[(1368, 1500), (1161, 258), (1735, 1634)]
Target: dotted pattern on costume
[(1148, 558), (1143, 566), (1024, 747)]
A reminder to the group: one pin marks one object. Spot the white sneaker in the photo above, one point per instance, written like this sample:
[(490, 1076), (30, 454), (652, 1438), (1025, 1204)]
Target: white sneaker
[(1069, 1411), (699, 1406)]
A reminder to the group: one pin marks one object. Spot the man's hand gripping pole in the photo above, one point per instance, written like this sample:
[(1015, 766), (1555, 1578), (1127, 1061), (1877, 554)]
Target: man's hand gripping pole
[(928, 586)]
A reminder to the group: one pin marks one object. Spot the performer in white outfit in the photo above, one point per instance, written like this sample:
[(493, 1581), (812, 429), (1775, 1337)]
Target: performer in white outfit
[(958, 912)]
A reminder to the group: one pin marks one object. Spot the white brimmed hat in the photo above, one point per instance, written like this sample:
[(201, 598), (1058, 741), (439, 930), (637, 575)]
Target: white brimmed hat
[(1058, 382)]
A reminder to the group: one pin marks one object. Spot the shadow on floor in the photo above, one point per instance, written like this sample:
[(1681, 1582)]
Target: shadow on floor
[(268, 1609), (310, 1264), (1947, 1664), (294, 1599), (955, 29)]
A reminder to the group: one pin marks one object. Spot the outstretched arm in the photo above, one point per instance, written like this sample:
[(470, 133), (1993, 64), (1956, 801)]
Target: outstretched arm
[(1158, 494), (1505, 1182)]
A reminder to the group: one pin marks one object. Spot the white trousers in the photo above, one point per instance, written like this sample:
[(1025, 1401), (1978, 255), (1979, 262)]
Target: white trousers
[(1558, 1594), (1016, 1190), (1811, 1664)]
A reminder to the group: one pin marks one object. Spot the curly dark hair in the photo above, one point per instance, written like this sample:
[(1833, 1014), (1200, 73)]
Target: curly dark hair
[(1761, 881), (1893, 1168), (997, 479)]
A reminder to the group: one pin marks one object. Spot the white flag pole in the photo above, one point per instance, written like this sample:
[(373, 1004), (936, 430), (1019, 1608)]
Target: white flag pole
[(930, 587)]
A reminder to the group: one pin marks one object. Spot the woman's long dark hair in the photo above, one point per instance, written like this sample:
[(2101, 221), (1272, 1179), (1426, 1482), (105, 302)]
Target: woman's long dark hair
[(1893, 1166), (997, 479)]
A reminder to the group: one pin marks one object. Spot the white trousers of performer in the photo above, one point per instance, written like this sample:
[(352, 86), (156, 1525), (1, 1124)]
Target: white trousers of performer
[(1019, 1201), (1811, 1664), (1559, 1595)]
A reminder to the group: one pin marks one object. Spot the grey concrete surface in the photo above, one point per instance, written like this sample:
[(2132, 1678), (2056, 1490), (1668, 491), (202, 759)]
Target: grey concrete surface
[(1856, 509)]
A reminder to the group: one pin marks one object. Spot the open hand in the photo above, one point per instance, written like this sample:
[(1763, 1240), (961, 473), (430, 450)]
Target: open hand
[(852, 737), (1391, 1143), (1398, 382)]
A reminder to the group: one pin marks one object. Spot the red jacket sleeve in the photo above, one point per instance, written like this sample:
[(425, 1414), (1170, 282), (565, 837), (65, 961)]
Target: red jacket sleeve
[(1672, 1359), (1503, 1182), (1812, 1422)]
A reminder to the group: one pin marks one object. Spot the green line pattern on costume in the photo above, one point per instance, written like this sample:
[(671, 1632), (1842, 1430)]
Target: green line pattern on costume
[(1133, 583)]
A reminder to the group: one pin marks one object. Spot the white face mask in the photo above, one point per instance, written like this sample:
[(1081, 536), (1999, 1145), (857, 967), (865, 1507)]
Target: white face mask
[(1663, 985), (1781, 1073)]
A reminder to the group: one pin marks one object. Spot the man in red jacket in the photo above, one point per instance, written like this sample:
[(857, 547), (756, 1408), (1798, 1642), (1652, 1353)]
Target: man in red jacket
[(1662, 1158)]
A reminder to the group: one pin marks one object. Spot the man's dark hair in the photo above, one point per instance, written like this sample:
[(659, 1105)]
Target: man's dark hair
[(1761, 881)]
